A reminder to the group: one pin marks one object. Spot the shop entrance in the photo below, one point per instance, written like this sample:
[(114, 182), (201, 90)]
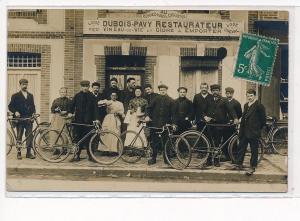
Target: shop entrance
[(123, 67)]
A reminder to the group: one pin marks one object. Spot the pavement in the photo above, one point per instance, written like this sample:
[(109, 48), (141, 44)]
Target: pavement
[(272, 169)]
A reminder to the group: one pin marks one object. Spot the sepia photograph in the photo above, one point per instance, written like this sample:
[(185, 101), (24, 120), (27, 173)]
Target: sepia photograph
[(123, 100)]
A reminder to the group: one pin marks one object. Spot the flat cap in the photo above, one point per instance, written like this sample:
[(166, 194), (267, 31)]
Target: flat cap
[(162, 86), (215, 86), (114, 79), (96, 84), (85, 83), (184, 88), (23, 81), (229, 89)]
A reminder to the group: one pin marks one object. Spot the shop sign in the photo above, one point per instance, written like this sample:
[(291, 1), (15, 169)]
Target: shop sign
[(162, 26)]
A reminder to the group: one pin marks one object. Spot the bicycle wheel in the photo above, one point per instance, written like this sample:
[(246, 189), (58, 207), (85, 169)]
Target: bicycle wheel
[(51, 146), (177, 152), (133, 146), (279, 140), (10, 141), (106, 147), (200, 147), (233, 148)]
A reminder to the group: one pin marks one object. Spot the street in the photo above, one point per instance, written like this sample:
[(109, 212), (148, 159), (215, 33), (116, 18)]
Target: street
[(128, 184)]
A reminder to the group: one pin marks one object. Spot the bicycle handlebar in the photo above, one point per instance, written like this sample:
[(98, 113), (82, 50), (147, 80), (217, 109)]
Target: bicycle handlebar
[(34, 116)]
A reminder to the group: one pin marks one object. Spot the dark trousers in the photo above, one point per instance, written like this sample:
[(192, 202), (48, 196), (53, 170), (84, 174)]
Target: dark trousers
[(242, 150), (80, 132), (27, 126), (156, 144)]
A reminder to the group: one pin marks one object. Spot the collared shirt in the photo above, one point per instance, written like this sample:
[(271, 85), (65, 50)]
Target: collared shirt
[(249, 104), (204, 96), (25, 94)]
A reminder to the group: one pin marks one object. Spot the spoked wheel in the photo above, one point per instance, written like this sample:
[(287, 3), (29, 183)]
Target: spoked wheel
[(51, 146), (106, 147), (279, 140), (233, 148), (199, 145), (133, 149), (177, 152), (10, 141)]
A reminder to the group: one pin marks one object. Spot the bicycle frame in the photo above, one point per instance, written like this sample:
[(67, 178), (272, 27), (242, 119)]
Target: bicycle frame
[(68, 128), (20, 143)]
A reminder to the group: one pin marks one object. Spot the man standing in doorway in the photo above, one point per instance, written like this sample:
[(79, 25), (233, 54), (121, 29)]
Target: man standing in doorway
[(182, 111), (22, 106), (200, 104), (84, 106), (99, 96), (113, 87), (128, 93), (253, 120), (159, 112), (149, 94)]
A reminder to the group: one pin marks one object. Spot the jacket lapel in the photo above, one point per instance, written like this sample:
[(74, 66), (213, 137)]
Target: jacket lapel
[(251, 108)]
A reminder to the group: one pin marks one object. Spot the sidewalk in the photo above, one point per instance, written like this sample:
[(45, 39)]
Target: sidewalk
[(272, 169)]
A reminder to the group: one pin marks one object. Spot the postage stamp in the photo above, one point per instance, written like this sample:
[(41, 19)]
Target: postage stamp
[(256, 58)]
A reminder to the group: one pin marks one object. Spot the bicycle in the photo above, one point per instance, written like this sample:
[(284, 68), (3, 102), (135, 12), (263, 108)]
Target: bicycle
[(57, 145), (176, 148), (202, 147), (11, 135), (275, 136)]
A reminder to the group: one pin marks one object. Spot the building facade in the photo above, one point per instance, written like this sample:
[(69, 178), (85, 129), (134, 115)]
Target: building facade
[(56, 48)]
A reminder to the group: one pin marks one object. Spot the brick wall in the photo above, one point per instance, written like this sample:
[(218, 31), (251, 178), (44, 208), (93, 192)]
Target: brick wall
[(100, 70), (149, 70), (45, 51), (39, 15), (220, 75), (73, 52)]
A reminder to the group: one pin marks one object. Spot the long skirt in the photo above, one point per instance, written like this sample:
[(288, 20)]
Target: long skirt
[(133, 126), (109, 142)]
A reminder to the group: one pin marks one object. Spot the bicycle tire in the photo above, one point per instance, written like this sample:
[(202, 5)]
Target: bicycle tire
[(45, 147), (200, 147), (101, 154), (233, 150), (10, 142), (279, 140), (177, 152), (133, 149)]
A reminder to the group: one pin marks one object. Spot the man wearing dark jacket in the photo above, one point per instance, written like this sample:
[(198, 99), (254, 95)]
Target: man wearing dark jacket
[(160, 112), (182, 111), (220, 112), (99, 97), (128, 93), (253, 120), (229, 91), (84, 106), (112, 88), (200, 103), (149, 94), (22, 106)]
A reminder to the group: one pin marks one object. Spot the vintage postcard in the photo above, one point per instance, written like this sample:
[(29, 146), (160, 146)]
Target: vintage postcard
[(147, 100)]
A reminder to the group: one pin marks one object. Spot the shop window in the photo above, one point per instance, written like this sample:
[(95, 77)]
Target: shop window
[(23, 60)]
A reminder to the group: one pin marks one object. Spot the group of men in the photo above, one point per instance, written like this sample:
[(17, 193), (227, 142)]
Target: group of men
[(162, 109)]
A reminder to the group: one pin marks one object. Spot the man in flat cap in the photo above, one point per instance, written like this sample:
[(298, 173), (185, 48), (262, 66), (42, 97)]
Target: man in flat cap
[(219, 111), (99, 97), (159, 111), (84, 107), (182, 111), (22, 106), (236, 105)]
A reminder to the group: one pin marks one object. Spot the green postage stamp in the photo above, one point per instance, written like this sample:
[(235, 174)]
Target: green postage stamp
[(256, 58)]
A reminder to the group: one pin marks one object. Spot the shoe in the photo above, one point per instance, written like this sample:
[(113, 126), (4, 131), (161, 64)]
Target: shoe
[(205, 165), (217, 164), (75, 159), (92, 160), (237, 167), (250, 171), (152, 161), (30, 156), (19, 156)]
